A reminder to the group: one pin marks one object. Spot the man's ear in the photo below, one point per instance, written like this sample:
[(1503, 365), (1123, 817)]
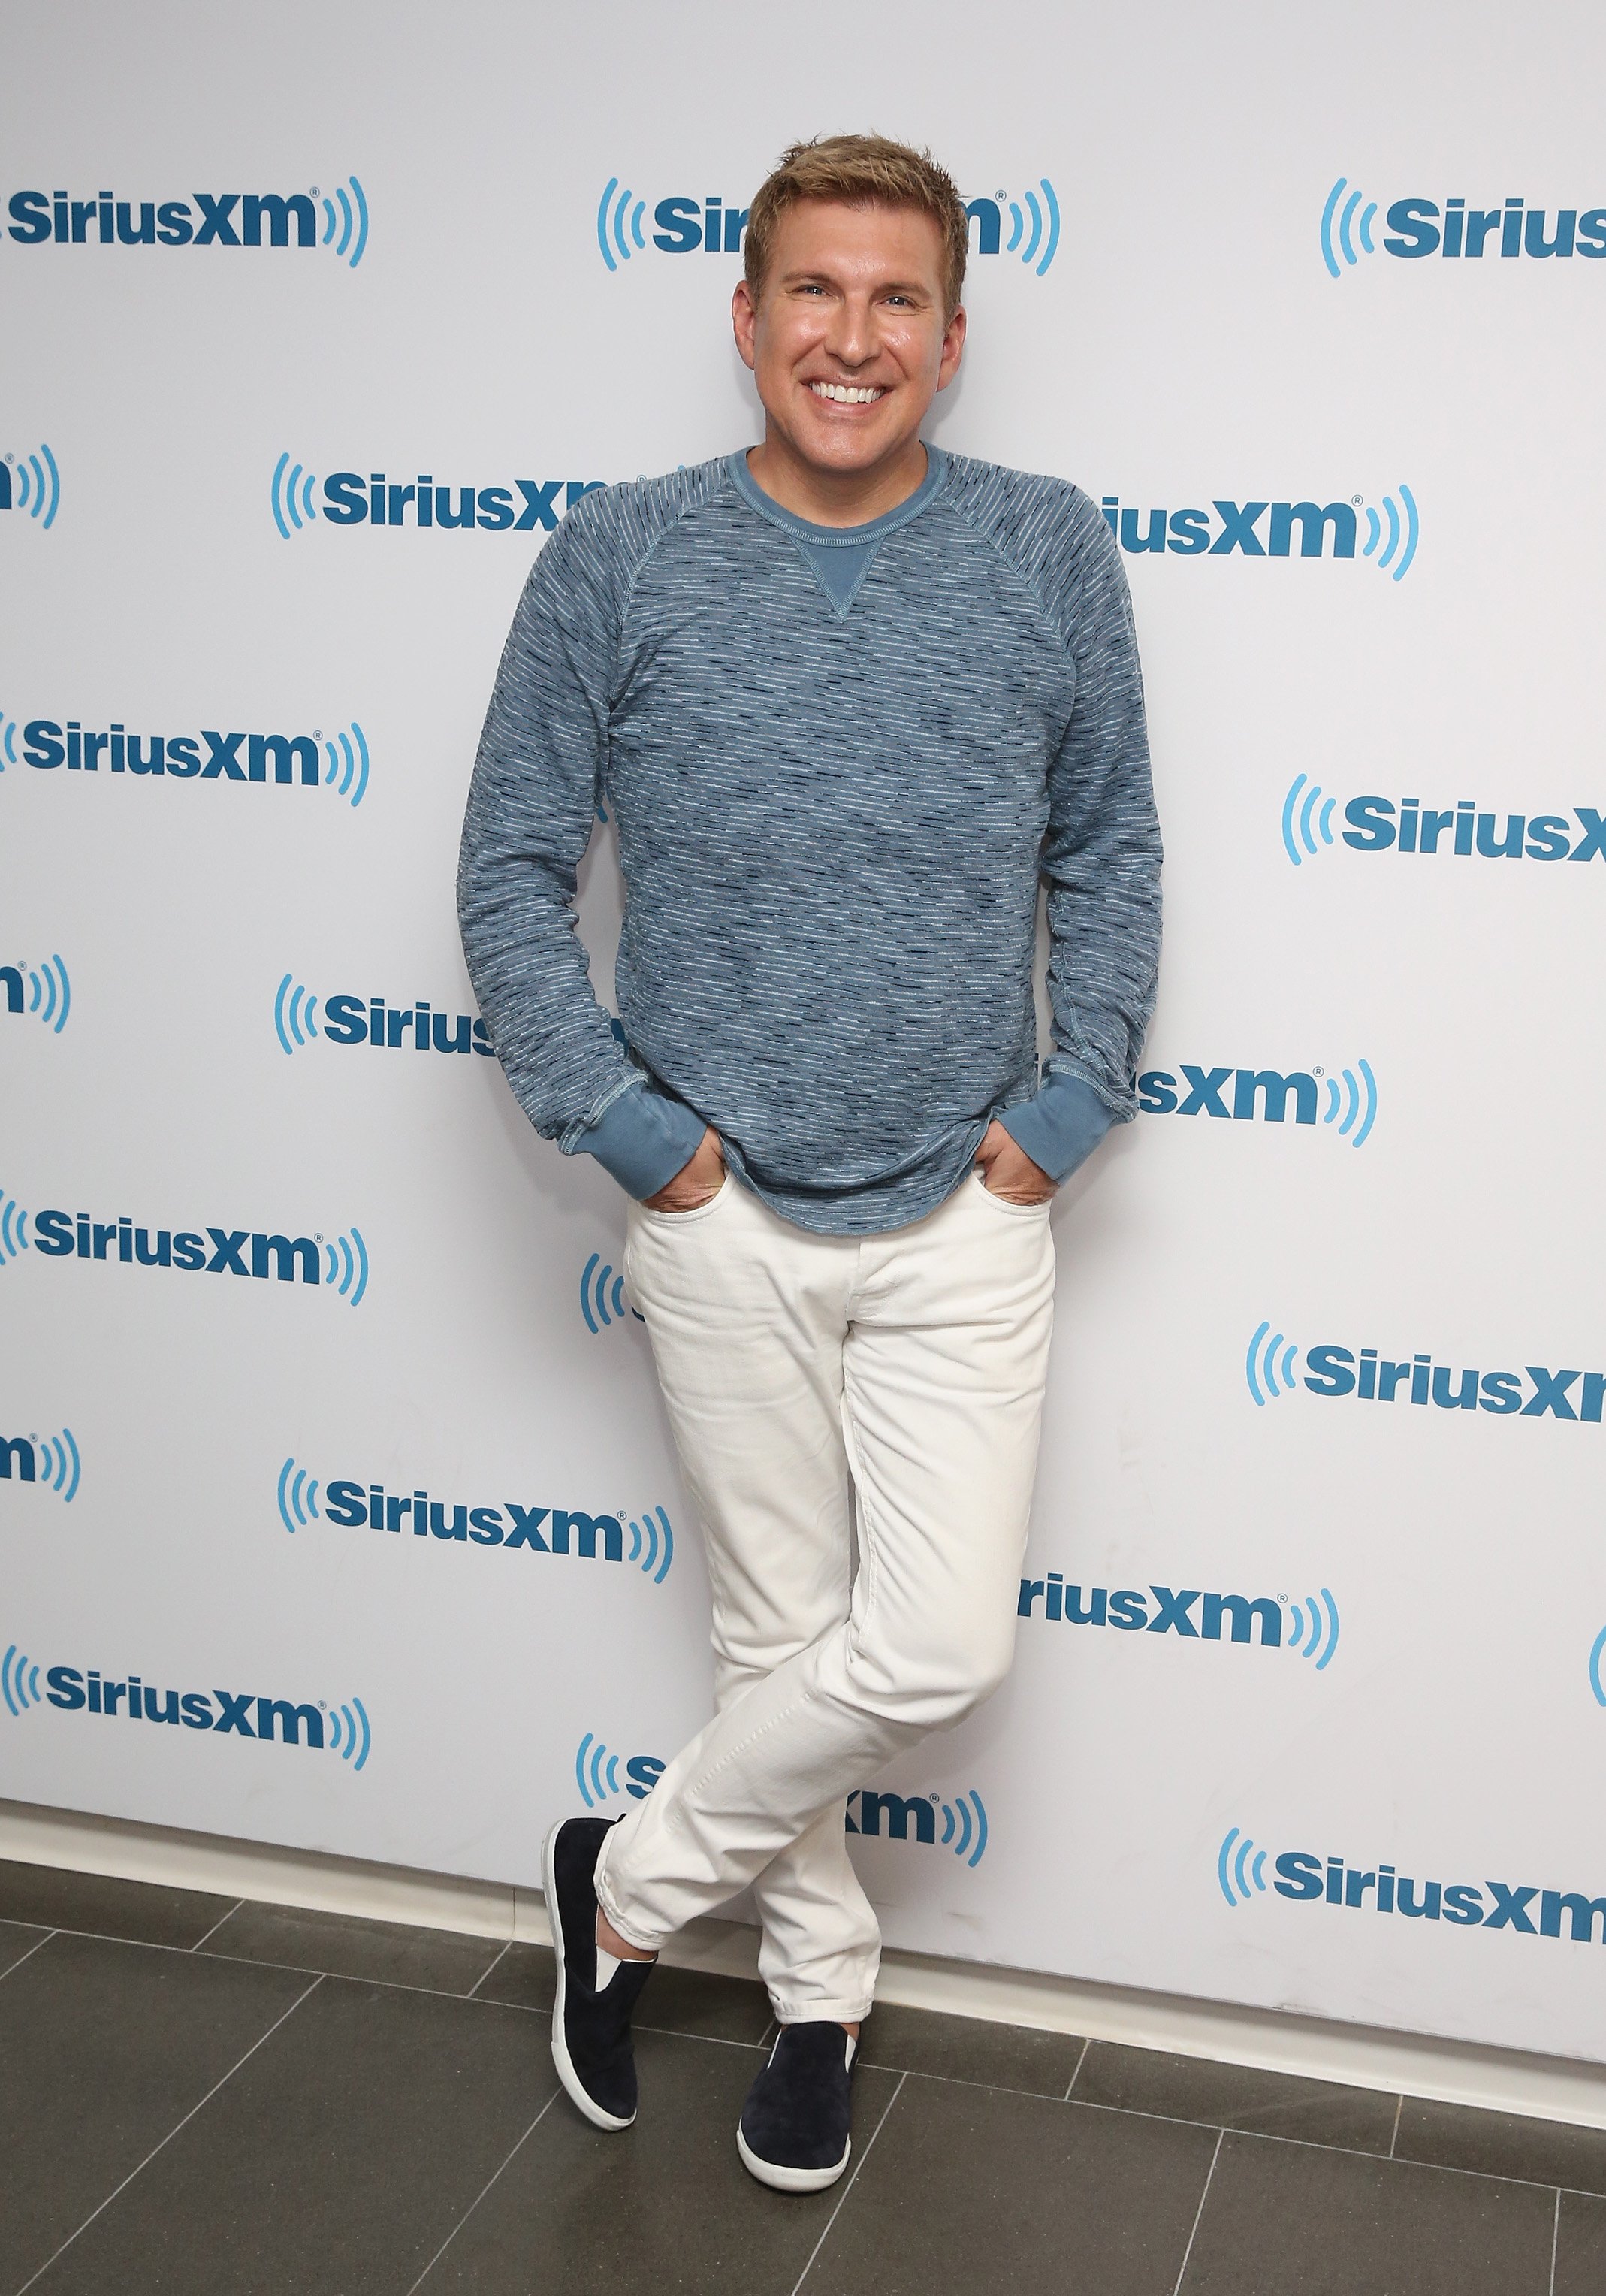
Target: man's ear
[(744, 321)]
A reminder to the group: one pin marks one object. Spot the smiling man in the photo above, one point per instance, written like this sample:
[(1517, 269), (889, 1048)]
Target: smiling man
[(850, 701)]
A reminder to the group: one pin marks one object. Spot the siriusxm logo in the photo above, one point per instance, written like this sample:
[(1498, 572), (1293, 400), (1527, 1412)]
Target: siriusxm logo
[(524, 505), (1420, 226), (340, 1727), (370, 1020), (1391, 539), (1265, 1094), (1268, 1369), (205, 219), (1312, 1628), (648, 1541), (341, 1266), (1377, 825), (33, 483), (43, 990), (683, 224), (914, 1816), (1307, 1879), (51, 1460), (314, 761), (596, 1773), (602, 1300)]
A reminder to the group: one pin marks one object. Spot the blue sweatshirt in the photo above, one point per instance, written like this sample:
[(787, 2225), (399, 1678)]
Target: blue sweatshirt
[(834, 801)]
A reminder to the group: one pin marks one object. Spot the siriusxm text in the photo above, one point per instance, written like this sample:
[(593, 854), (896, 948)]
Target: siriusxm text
[(525, 505), (205, 219), (211, 1252), (244, 1713), (1252, 1093), (1325, 530), (1309, 1880), (1128, 1610), (1373, 1377), (1420, 227), (538, 1529), (370, 1020), (1377, 825), (285, 760)]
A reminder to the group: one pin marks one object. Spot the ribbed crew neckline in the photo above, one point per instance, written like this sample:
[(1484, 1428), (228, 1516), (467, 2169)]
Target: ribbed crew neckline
[(837, 537)]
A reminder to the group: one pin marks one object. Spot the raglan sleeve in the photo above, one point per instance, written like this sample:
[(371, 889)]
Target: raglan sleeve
[(1102, 863), (532, 805)]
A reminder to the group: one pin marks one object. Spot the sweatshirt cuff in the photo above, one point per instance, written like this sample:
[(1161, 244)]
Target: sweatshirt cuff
[(643, 1139), (1061, 1127)]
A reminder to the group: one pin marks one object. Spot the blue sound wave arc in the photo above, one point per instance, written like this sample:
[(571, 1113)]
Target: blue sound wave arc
[(1315, 1628), (349, 1735), (1597, 1650), (1261, 1367), (345, 1266), (1240, 1867), (596, 1771), (295, 1015), (609, 190), (347, 214), (603, 1300), (1358, 1100), (13, 1228), (50, 993), (1302, 824), (62, 1464), (655, 1545), (8, 741), (298, 1496), (1032, 208), (1052, 208), (1405, 532), (39, 488), (348, 773), (1346, 217), (289, 496), (19, 1680)]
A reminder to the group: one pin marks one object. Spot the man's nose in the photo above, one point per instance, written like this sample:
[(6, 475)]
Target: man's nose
[(851, 334)]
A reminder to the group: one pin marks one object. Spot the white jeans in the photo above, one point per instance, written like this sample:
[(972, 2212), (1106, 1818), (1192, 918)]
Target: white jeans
[(803, 1374)]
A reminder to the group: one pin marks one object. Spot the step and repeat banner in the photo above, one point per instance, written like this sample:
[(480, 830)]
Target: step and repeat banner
[(336, 1505)]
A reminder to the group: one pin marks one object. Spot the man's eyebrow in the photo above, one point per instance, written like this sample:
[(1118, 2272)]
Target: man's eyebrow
[(803, 278)]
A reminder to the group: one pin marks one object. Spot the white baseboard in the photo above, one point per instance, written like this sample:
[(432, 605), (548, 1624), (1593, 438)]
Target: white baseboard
[(1362, 2056)]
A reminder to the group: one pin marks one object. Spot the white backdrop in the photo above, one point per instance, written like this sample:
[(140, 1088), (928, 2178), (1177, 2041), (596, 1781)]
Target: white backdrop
[(1201, 322)]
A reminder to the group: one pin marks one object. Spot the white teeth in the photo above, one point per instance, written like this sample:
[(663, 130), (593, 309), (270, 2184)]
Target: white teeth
[(848, 394)]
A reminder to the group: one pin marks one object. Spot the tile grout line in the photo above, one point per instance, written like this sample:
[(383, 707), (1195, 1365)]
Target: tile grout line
[(1173, 2120), (1199, 2211), (1076, 2076), (1555, 2236), (167, 2139), (217, 1924), (478, 2196), (847, 2187), (1399, 2106), (486, 1971), (28, 1956)]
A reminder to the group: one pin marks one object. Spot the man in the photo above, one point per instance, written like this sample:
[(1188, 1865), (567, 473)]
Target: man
[(849, 700)]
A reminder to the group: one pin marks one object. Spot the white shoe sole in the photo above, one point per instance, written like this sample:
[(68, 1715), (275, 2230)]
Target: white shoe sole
[(788, 2180), (574, 2088)]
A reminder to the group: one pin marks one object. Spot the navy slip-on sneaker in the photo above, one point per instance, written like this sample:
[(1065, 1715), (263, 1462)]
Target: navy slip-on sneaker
[(793, 2130), (590, 2024)]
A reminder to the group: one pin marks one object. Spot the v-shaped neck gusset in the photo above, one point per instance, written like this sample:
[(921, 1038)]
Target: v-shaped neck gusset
[(838, 557)]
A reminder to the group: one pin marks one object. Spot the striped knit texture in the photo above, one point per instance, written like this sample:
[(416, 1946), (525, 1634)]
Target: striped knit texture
[(832, 829)]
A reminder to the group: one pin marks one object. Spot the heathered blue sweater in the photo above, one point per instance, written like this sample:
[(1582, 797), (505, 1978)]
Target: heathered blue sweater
[(833, 819)]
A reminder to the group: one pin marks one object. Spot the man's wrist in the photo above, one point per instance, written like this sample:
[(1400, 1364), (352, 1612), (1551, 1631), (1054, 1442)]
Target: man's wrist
[(1060, 1126), (643, 1138)]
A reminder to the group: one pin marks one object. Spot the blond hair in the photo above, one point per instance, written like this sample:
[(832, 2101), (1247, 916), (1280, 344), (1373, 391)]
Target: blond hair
[(860, 171)]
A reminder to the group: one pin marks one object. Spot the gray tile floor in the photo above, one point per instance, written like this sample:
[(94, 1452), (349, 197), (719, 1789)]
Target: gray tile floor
[(246, 2100)]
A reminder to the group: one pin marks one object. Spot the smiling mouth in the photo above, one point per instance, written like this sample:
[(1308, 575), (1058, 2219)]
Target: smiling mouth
[(849, 394)]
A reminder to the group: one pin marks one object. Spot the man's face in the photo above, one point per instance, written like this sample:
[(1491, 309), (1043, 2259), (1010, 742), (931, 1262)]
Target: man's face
[(850, 341)]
